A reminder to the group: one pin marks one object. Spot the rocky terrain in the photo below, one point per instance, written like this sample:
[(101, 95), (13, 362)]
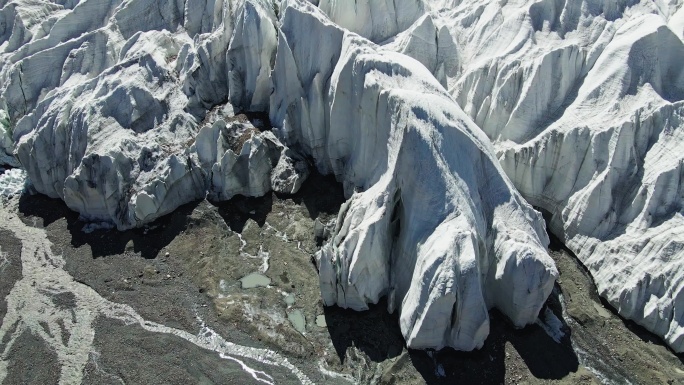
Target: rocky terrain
[(199, 289)]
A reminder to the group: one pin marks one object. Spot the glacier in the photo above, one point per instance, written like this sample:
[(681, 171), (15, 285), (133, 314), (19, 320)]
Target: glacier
[(583, 101), (446, 122), (431, 221)]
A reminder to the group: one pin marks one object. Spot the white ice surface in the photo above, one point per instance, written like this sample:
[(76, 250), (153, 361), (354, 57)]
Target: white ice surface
[(431, 221), (584, 103), (105, 107)]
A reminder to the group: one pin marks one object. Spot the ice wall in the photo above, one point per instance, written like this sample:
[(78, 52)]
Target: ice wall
[(104, 100), (431, 221), (583, 101)]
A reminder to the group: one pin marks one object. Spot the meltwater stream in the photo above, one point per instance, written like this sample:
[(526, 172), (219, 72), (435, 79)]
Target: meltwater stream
[(30, 308), (590, 360)]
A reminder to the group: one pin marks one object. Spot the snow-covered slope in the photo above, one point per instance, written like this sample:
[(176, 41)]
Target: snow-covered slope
[(125, 110)]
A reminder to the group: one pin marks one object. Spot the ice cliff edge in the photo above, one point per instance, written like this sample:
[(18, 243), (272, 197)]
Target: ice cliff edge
[(432, 222)]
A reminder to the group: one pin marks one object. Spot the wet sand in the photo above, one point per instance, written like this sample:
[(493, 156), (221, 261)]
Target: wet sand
[(185, 270)]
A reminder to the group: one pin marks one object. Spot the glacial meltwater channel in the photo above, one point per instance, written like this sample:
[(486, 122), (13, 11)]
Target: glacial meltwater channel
[(582, 347), (30, 308)]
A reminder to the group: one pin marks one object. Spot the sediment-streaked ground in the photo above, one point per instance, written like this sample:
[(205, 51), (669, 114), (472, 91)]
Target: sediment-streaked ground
[(168, 304)]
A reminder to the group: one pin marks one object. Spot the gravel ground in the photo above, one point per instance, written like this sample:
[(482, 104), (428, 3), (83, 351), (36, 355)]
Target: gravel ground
[(185, 271), (10, 267)]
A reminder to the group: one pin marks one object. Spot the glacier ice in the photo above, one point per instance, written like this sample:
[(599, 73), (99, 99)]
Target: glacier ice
[(13, 182), (437, 116), (375, 20), (111, 133), (583, 101), (242, 160), (6, 141), (252, 48), (431, 221)]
